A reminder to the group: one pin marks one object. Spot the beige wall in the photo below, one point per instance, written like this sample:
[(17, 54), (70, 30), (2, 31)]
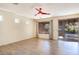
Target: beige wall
[(12, 32), (55, 29), (44, 36)]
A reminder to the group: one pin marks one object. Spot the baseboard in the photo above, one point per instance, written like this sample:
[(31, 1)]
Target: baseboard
[(15, 41)]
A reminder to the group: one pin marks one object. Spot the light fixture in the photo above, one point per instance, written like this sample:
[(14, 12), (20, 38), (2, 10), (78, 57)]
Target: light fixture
[(17, 21), (1, 18)]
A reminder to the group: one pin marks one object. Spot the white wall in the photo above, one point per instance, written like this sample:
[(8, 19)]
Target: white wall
[(12, 32)]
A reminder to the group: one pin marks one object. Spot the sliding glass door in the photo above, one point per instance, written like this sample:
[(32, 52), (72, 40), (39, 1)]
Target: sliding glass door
[(69, 29)]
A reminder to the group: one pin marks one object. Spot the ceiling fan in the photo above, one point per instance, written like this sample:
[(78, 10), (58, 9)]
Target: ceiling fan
[(41, 12)]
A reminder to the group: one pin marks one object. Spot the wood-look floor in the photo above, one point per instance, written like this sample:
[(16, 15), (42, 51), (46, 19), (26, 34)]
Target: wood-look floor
[(41, 47)]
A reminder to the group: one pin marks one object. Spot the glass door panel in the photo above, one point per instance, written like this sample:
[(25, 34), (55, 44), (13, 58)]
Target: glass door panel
[(68, 29)]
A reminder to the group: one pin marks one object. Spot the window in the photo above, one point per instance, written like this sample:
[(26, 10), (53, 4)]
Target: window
[(44, 27)]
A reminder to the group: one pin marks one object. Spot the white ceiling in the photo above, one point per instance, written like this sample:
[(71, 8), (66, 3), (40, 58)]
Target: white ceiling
[(27, 9)]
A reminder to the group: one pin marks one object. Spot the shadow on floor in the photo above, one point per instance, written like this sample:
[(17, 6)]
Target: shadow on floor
[(70, 40)]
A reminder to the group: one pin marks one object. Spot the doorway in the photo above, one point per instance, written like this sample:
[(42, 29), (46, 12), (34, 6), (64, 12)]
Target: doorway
[(69, 29), (43, 30)]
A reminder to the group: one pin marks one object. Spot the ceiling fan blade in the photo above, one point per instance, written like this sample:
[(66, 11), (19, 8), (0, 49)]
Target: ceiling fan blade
[(37, 14), (37, 9), (45, 13), (48, 13), (41, 12)]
